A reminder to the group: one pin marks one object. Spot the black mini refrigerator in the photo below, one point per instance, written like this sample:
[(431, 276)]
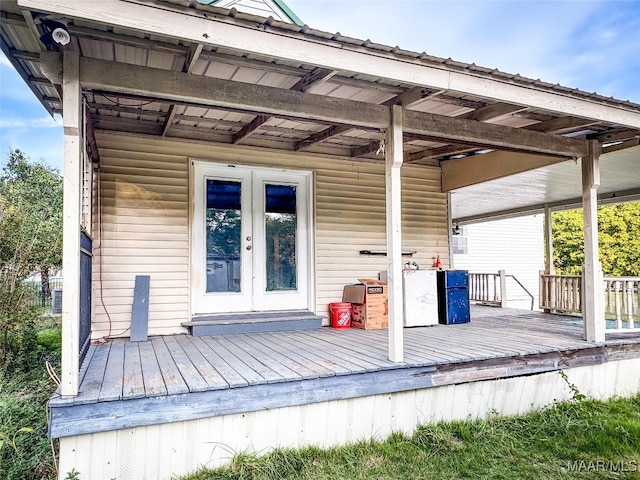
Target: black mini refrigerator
[(453, 297)]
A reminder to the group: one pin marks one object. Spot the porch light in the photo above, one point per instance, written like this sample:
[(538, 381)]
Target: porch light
[(455, 230)]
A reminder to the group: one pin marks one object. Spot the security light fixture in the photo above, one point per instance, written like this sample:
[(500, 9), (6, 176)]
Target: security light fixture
[(54, 32)]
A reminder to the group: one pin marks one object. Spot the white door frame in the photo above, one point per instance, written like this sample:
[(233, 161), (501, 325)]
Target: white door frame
[(252, 261)]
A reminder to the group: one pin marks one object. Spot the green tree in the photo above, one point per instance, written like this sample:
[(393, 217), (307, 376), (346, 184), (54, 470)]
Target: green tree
[(30, 232), (619, 240)]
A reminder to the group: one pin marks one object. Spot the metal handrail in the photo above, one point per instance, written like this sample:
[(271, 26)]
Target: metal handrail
[(524, 288)]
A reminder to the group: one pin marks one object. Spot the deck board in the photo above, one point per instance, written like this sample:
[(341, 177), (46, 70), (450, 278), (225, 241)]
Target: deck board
[(173, 380), (111, 388), (153, 381), (208, 372), (179, 364), (133, 384), (189, 372)]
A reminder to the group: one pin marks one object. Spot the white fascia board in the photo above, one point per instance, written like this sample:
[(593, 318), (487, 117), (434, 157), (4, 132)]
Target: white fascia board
[(192, 26)]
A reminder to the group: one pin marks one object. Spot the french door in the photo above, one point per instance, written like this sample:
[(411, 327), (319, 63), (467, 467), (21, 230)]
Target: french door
[(250, 239)]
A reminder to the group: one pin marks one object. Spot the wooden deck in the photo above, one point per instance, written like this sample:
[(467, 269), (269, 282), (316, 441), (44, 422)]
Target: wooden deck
[(172, 378)]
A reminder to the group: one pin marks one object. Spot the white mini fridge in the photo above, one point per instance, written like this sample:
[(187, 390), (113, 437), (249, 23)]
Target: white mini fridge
[(420, 297)]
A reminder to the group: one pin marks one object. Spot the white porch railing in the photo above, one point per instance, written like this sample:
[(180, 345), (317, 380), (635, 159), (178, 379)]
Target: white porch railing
[(491, 288), (621, 299), (488, 288)]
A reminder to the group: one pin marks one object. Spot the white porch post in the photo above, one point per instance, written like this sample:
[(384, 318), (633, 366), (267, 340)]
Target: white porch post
[(548, 238), (71, 103), (393, 163), (592, 294)]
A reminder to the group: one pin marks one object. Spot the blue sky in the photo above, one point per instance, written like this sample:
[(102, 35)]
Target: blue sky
[(590, 45)]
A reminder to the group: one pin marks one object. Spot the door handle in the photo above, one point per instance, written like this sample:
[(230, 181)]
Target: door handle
[(248, 247)]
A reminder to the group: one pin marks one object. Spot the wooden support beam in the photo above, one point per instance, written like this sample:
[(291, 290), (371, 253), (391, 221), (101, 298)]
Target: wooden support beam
[(189, 65), (214, 92), (315, 77), (492, 111), (462, 172), (250, 127), (615, 135), (490, 135), (322, 135), (621, 146), (407, 98), (365, 149), (440, 152), (393, 164), (561, 124), (412, 96), (592, 281), (91, 137), (72, 105)]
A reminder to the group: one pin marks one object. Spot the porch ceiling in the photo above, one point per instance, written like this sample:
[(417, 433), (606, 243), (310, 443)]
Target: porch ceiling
[(282, 101)]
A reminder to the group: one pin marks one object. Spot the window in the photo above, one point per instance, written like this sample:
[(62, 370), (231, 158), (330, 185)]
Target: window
[(459, 242)]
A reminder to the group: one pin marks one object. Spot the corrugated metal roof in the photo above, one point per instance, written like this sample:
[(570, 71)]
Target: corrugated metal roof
[(234, 15)]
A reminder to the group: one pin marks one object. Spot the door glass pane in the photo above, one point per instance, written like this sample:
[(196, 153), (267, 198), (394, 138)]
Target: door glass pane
[(223, 230), (280, 229)]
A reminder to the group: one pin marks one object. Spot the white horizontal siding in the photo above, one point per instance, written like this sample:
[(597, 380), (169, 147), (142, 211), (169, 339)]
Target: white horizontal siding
[(145, 216), (172, 449), (515, 245)]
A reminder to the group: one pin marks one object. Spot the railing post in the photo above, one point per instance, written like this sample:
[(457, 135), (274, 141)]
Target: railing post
[(629, 301), (503, 289)]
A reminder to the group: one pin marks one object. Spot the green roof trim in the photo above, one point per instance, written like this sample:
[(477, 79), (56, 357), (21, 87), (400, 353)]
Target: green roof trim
[(289, 13), (279, 3)]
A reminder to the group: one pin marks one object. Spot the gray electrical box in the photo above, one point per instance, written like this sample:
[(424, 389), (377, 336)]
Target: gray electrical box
[(56, 301)]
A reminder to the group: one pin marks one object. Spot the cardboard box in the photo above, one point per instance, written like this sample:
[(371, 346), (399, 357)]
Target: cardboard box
[(370, 304)]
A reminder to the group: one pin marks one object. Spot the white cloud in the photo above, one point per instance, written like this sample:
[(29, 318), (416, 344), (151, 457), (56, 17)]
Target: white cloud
[(42, 122), (4, 61)]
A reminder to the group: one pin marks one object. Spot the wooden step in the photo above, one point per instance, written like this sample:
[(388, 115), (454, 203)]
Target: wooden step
[(252, 322)]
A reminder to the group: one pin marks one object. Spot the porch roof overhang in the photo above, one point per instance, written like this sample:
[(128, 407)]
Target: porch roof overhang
[(174, 68)]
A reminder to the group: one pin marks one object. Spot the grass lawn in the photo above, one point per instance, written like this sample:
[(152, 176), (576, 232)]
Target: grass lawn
[(571, 440)]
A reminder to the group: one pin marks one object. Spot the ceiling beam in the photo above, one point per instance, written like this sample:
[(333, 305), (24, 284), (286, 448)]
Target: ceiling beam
[(440, 152), (322, 135), (492, 111), (317, 76), (189, 65), (490, 135), (621, 146), (366, 149), (615, 135), (250, 127), (462, 172), (561, 124), (407, 98), (214, 92), (412, 96)]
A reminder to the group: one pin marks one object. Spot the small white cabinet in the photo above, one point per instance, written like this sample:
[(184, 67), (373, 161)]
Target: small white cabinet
[(420, 298)]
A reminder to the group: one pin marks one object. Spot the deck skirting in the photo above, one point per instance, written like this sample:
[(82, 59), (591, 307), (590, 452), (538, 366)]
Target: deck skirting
[(180, 447)]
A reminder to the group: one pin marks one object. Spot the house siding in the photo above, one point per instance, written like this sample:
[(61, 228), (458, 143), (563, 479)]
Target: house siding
[(515, 245), (144, 194)]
